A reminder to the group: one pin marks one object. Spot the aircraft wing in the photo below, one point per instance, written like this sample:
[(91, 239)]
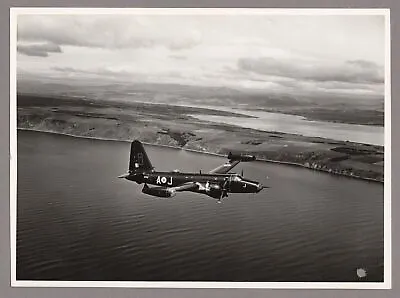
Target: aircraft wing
[(234, 159), (225, 168), (167, 192), (185, 186)]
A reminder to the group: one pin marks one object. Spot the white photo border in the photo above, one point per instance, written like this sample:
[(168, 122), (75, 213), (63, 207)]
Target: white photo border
[(386, 284)]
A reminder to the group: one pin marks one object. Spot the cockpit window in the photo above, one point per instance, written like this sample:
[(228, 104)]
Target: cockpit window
[(236, 178)]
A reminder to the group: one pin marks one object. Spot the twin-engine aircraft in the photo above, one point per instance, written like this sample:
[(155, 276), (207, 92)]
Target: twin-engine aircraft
[(217, 183)]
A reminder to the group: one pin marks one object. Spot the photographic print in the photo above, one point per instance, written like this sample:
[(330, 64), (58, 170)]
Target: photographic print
[(200, 148)]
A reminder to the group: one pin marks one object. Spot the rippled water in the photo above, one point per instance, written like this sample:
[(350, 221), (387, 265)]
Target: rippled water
[(77, 221)]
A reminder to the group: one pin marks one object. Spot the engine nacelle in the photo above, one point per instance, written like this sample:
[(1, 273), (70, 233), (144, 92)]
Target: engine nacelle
[(161, 192), (241, 157), (214, 191)]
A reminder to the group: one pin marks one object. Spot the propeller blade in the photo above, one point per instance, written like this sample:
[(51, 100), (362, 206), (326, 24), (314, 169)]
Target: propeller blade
[(224, 191), (123, 176)]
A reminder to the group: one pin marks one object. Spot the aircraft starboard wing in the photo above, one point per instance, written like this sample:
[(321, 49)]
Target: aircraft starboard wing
[(225, 168)]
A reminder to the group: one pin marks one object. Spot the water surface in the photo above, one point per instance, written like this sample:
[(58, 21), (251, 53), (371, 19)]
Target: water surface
[(266, 121), (77, 221)]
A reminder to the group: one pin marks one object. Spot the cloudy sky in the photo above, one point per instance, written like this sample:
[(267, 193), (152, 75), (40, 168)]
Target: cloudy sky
[(332, 54)]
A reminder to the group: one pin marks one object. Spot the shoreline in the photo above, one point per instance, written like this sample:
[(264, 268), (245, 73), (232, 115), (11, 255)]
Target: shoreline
[(172, 128), (293, 164)]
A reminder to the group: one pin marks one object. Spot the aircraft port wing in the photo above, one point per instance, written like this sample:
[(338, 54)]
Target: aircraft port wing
[(185, 186), (167, 192)]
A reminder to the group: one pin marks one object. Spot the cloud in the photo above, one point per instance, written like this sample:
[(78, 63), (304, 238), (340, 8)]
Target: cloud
[(109, 32), (363, 63), (353, 71), (38, 50), (288, 55), (97, 72), (178, 57)]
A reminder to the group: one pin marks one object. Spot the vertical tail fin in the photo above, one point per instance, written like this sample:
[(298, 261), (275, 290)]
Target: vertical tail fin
[(138, 158)]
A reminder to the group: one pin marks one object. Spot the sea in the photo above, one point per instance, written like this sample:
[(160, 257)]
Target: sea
[(293, 124), (76, 221)]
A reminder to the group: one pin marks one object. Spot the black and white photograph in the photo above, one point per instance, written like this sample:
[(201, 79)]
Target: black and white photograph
[(200, 148)]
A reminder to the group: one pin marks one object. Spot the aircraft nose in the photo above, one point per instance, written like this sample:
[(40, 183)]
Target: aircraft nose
[(260, 187)]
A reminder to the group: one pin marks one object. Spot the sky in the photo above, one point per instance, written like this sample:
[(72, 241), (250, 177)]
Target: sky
[(332, 54)]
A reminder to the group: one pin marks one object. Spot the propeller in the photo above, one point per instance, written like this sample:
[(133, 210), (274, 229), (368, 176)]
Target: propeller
[(224, 191)]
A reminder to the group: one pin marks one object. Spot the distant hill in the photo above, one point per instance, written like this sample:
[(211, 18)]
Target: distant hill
[(338, 108)]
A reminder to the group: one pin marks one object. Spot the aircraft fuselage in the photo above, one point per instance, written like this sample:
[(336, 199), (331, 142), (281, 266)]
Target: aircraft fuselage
[(217, 183), (236, 183)]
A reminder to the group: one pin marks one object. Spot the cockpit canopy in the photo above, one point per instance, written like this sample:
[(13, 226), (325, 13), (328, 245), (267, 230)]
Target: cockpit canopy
[(236, 178)]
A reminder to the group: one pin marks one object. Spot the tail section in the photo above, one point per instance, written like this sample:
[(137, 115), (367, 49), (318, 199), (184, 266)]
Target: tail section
[(138, 158)]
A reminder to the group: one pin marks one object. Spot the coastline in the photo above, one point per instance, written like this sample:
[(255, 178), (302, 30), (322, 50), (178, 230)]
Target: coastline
[(173, 127), (199, 151)]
